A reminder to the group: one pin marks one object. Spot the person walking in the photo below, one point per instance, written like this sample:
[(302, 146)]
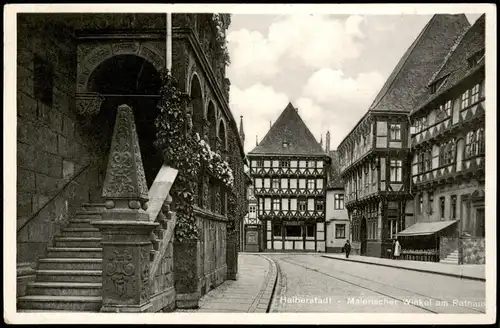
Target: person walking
[(347, 248), (397, 249)]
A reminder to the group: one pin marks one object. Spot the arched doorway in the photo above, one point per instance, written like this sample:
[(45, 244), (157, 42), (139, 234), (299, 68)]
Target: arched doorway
[(130, 80), (363, 235)]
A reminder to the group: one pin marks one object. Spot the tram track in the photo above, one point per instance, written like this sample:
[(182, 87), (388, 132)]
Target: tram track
[(400, 299)]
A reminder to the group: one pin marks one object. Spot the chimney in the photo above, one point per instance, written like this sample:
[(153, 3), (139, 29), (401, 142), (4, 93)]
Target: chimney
[(256, 140), (242, 133), (327, 143), (321, 141)]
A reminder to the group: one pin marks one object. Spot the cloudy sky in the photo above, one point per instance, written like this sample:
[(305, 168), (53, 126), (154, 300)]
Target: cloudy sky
[(329, 66)]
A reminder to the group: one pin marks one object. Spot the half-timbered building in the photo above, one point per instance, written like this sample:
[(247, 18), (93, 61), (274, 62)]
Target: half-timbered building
[(288, 169), (448, 152), (374, 156)]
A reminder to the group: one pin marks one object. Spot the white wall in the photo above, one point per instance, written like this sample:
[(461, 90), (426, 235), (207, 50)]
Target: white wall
[(334, 217)]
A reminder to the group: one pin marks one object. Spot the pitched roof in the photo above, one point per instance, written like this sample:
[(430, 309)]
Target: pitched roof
[(455, 66), (334, 180), (408, 81), (290, 128)]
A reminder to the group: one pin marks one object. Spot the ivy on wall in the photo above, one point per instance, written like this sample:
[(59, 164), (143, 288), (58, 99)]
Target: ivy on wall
[(220, 38), (186, 152)]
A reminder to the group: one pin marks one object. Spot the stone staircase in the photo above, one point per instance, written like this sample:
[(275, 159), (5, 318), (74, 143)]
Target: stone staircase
[(70, 277), (451, 258)]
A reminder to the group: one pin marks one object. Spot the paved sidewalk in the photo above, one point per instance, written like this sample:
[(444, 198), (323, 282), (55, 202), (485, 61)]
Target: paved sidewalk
[(467, 271), (252, 291)]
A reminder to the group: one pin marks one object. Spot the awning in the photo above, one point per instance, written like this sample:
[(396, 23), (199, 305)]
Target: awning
[(425, 228)]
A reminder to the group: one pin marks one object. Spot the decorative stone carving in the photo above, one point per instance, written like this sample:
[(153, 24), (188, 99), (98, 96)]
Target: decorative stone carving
[(89, 103), (121, 271), (125, 179)]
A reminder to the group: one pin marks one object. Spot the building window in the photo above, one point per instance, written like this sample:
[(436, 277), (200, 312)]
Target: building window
[(276, 183), (465, 100), (320, 206), (396, 171), (444, 111), (480, 141), (421, 162), (293, 231), (302, 205), (258, 183), (43, 80), (475, 58), (442, 203), (267, 183), (293, 183), (311, 164), (474, 94), (252, 209), (338, 202), (447, 153), (340, 231), (310, 231), (260, 163), (471, 144), (428, 160), (395, 131), (453, 206), (285, 144), (393, 228), (310, 185), (302, 183), (430, 204), (276, 204), (420, 204), (284, 164), (277, 230)]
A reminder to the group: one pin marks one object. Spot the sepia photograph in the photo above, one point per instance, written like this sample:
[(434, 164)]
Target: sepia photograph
[(250, 163)]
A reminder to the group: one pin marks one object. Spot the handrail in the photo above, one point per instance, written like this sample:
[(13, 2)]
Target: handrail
[(160, 190), (54, 197)]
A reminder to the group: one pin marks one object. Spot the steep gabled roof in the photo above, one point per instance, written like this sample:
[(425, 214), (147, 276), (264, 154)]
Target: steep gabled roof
[(290, 128), (334, 180), (409, 79), (455, 66)]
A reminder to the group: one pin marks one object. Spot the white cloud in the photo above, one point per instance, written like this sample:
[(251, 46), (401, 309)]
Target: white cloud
[(331, 86), (258, 104), (342, 100), (312, 41)]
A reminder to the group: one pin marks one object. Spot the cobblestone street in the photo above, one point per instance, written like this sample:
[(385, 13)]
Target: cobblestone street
[(311, 283)]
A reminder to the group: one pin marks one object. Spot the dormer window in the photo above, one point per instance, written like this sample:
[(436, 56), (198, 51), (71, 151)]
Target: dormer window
[(285, 144), (475, 58), (434, 87)]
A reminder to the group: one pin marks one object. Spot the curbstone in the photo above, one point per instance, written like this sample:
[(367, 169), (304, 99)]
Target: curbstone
[(410, 269)]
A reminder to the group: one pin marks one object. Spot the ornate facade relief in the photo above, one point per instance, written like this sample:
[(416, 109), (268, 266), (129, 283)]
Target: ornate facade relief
[(88, 103), (92, 53)]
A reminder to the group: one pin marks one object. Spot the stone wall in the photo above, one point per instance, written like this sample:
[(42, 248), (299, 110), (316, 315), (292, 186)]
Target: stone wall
[(473, 251), (162, 286), (51, 148), (212, 245)]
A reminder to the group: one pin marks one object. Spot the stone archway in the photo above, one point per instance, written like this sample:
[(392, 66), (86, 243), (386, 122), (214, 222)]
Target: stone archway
[(134, 81), (93, 53)]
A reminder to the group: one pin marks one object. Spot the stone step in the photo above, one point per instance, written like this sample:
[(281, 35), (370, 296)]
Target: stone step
[(80, 223), (96, 206), (51, 302), (88, 214), (73, 252), (64, 288), (70, 264), (69, 276), (80, 232), (77, 242)]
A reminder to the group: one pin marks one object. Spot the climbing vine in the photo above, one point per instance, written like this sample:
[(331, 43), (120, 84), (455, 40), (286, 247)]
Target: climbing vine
[(220, 38), (185, 152)]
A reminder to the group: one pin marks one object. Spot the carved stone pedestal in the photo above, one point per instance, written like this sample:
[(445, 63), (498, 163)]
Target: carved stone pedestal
[(126, 259)]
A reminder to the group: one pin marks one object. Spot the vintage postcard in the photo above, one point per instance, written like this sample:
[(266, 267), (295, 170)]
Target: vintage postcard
[(250, 163)]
